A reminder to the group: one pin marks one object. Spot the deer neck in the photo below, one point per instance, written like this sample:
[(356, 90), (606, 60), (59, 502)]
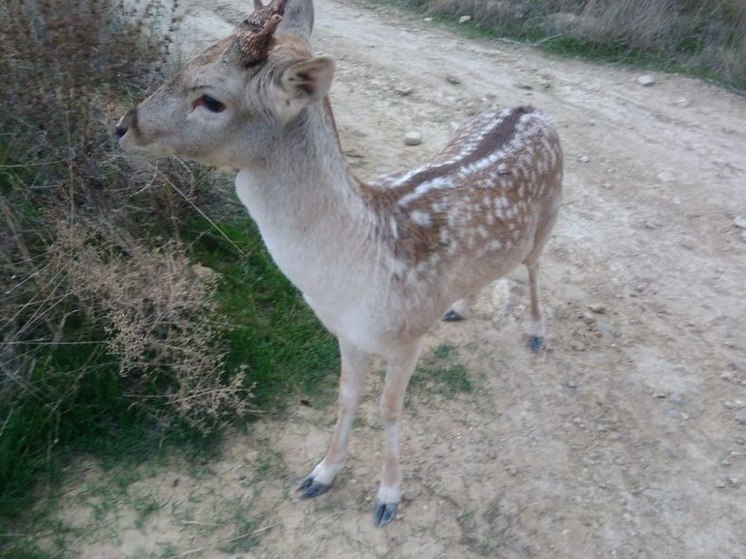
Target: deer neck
[(304, 198)]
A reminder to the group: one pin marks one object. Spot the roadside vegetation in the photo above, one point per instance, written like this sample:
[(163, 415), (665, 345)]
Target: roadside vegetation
[(139, 309), (706, 38)]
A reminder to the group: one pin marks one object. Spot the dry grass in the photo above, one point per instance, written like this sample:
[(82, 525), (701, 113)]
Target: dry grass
[(704, 36), (75, 211), (103, 316)]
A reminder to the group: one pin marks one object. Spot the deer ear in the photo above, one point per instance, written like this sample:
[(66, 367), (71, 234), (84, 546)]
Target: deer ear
[(308, 81)]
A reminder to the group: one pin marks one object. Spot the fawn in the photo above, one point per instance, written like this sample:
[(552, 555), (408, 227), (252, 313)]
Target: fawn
[(378, 262)]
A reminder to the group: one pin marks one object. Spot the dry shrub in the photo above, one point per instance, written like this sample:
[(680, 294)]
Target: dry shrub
[(77, 263), (158, 310)]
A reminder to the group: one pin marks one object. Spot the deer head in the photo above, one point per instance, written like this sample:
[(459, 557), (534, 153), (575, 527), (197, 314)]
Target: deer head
[(231, 103)]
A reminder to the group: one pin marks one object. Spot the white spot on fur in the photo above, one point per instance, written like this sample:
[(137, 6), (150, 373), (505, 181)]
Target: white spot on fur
[(421, 218)]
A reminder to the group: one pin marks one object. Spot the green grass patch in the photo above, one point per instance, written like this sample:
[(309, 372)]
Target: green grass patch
[(268, 326), (441, 373)]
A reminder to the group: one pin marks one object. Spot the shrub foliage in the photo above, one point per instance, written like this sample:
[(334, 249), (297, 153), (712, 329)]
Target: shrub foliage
[(103, 313)]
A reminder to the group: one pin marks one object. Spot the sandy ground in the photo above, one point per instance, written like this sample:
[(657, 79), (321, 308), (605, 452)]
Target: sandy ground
[(626, 438)]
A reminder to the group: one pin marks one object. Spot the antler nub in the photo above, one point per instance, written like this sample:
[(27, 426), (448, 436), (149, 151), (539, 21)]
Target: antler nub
[(257, 30)]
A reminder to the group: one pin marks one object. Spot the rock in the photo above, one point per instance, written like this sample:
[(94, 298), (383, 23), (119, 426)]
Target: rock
[(728, 376), (412, 138), (720, 484), (453, 79), (683, 102), (571, 384), (740, 221), (740, 417), (734, 404), (464, 19), (204, 273), (584, 159), (597, 308), (403, 90), (666, 177), (526, 86), (646, 80)]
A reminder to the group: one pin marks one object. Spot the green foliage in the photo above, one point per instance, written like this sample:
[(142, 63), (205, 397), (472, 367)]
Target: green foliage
[(111, 342), (441, 373), (268, 326)]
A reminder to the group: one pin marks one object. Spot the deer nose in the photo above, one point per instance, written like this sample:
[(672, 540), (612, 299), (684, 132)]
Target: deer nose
[(125, 122)]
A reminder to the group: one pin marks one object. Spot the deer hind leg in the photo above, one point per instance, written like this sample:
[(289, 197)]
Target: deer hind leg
[(355, 364), (536, 337), (459, 310), (399, 369)]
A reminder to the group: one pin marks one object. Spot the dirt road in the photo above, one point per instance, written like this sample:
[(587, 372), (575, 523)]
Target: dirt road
[(626, 438)]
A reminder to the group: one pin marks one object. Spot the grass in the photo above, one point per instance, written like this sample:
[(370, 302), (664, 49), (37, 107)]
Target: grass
[(441, 373), (706, 41), (264, 319), (111, 346)]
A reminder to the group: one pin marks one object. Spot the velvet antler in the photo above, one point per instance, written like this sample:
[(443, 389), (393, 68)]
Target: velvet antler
[(256, 31)]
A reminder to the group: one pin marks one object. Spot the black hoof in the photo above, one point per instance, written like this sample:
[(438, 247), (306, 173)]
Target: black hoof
[(309, 488), (536, 343), (384, 513), (452, 316)]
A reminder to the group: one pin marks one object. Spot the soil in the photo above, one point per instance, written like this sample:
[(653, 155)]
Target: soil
[(625, 438)]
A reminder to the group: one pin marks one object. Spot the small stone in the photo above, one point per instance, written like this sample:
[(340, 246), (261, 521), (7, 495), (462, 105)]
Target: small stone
[(584, 159), (733, 480), (204, 273), (453, 79), (666, 177), (464, 19), (740, 222), (403, 90), (646, 80), (728, 376), (683, 102), (412, 138), (588, 319), (526, 86), (734, 404), (597, 308), (428, 19), (720, 484), (740, 417), (571, 384)]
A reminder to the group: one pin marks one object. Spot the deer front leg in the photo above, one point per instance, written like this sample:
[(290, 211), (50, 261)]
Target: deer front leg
[(536, 338), (399, 369), (355, 364)]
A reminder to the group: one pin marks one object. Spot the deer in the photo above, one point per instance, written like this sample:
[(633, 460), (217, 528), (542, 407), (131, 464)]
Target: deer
[(379, 262)]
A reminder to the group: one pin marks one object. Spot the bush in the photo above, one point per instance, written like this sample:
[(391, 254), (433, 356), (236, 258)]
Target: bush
[(105, 319)]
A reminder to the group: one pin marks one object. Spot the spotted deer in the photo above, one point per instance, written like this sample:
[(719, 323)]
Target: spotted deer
[(379, 262)]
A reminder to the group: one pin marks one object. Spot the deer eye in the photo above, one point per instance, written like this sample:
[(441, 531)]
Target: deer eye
[(210, 103)]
